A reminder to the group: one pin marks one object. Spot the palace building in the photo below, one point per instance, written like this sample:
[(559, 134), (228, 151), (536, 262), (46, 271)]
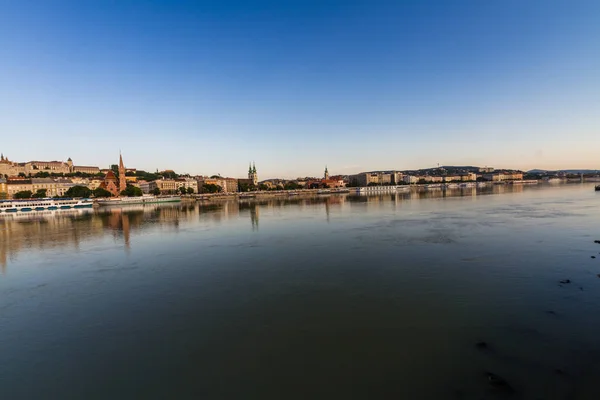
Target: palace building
[(30, 168)]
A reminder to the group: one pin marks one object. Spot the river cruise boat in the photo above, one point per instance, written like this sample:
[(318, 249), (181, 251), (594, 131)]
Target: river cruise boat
[(123, 201), (43, 204)]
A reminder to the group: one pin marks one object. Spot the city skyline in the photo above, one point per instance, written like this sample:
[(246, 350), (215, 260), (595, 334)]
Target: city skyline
[(325, 169), (202, 88)]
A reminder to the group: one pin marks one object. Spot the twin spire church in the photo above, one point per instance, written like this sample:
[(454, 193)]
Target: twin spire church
[(252, 175)]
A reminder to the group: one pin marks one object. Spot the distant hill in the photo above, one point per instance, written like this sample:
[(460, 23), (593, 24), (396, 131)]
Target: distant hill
[(565, 171)]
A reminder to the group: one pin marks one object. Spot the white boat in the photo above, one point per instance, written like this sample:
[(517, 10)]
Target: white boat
[(378, 189), (43, 204), (340, 190), (42, 215), (123, 201)]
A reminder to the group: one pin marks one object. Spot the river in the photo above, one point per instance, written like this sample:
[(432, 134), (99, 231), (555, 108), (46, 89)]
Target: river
[(418, 295)]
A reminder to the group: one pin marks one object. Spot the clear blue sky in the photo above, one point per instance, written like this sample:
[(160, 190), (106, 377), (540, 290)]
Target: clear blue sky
[(205, 87)]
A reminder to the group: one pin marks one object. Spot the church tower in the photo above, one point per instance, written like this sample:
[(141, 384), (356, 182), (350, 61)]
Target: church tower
[(326, 173), (252, 175), (122, 179)]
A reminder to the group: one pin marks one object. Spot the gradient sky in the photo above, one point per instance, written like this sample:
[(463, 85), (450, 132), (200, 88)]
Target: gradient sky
[(205, 87)]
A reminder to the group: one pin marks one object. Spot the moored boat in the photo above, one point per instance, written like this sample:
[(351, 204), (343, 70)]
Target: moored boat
[(146, 199), (43, 204)]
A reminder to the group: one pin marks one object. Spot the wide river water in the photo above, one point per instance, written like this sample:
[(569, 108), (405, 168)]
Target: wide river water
[(303, 298)]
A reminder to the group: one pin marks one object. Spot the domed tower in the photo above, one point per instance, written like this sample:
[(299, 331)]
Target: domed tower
[(326, 173), (70, 164)]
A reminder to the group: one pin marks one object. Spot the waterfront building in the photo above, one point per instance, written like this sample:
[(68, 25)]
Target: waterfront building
[(62, 186), (49, 184), (500, 176), (147, 187), (230, 185), (53, 187), (227, 185), (377, 178), (167, 186), (468, 176), (3, 189), (410, 179), (188, 183), (172, 185), (15, 185)]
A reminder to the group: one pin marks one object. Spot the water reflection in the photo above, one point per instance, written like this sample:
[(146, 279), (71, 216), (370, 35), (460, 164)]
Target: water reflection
[(220, 299), (44, 229)]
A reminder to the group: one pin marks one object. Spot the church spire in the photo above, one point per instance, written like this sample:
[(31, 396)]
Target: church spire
[(326, 173), (249, 168), (122, 179), (2, 157), (253, 167)]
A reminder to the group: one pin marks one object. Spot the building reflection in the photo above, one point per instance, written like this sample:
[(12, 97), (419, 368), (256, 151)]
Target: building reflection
[(68, 229), (44, 230), (40, 230)]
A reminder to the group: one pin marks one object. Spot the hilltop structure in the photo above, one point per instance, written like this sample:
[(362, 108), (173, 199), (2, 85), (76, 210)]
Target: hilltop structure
[(30, 168)]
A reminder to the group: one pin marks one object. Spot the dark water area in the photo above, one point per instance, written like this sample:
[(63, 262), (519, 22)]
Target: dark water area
[(335, 296)]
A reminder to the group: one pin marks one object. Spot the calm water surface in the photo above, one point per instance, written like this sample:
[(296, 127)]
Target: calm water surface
[(329, 297)]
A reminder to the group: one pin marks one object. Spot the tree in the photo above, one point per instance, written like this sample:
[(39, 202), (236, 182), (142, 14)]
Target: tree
[(244, 187), (132, 191), (169, 174), (78, 191), (291, 186), (262, 186), (42, 174), (190, 190), (24, 194), (22, 174), (353, 183), (40, 194), (215, 177), (211, 188), (182, 190), (156, 191), (101, 192)]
